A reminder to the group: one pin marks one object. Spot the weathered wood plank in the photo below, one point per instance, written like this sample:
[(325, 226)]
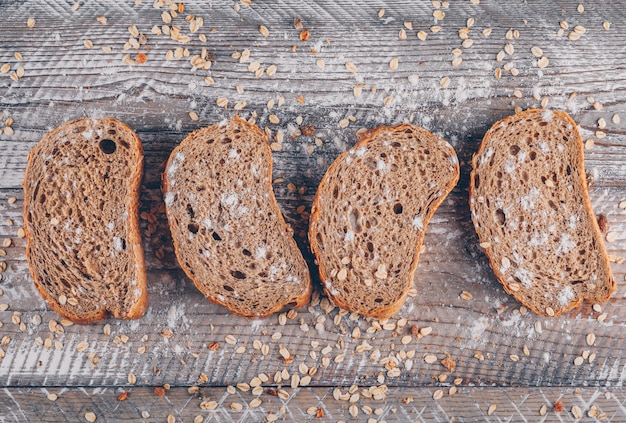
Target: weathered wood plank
[(65, 80), (303, 404), (489, 325), (89, 82)]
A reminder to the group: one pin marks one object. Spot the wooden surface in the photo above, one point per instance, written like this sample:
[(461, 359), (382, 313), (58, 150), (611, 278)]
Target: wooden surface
[(496, 352)]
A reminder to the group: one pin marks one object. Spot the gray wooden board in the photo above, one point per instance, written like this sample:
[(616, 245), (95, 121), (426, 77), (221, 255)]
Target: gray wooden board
[(64, 80), (468, 404)]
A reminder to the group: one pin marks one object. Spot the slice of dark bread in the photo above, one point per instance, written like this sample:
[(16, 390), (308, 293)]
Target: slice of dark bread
[(370, 214), (531, 210), (229, 235), (81, 218)]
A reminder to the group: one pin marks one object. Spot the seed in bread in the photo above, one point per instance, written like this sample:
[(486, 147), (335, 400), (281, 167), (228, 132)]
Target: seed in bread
[(81, 202), (371, 211), (229, 235), (531, 209)]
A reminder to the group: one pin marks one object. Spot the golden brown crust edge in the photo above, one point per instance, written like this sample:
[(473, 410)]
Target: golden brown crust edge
[(134, 233), (392, 309), (299, 301), (587, 203)]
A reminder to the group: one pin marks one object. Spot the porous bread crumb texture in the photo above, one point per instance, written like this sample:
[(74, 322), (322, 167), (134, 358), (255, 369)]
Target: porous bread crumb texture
[(370, 214), (529, 203), (229, 234), (81, 191)]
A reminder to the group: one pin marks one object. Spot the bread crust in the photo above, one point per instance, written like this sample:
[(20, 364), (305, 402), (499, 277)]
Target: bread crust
[(391, 309), (298, 302), (134, 234), (577, 301)]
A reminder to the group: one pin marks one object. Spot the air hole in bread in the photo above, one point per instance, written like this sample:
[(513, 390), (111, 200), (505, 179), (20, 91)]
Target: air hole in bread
[(476, 181), (226, 140), (354, 220), (125, 144), (568, 169), (108, 146), (66, 283), (246, 253), (193, 228), (216, 236), (576, 282), (228, 288), (532, 155), (552, 205), (335, 192), (397, 208), (500, 217), (42, 198), (237, 274), (370, 247), (378, 300), (190, 211), (396, 144), (514, 149), (320, 239)]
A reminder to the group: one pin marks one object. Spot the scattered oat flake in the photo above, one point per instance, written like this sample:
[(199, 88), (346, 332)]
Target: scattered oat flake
[(393, 64), (576, 411), (90, 417), (615, 119), (445, 82), (30, 22), (606, 25), (422, 35), (466, 295), (457, 61), (52, 397), (264, 31), (580, 9), (5, 68), (491, 410), (578, 361), (381, 13), (438, 394), (351, 67)]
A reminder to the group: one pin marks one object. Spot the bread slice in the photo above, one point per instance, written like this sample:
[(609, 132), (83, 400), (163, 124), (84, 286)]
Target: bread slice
[(371, 211), (229, 235), (81, 201), (531, 210)]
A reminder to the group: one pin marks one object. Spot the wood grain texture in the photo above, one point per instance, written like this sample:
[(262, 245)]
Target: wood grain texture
[(484, 336), (490, 324), (467, 405)]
